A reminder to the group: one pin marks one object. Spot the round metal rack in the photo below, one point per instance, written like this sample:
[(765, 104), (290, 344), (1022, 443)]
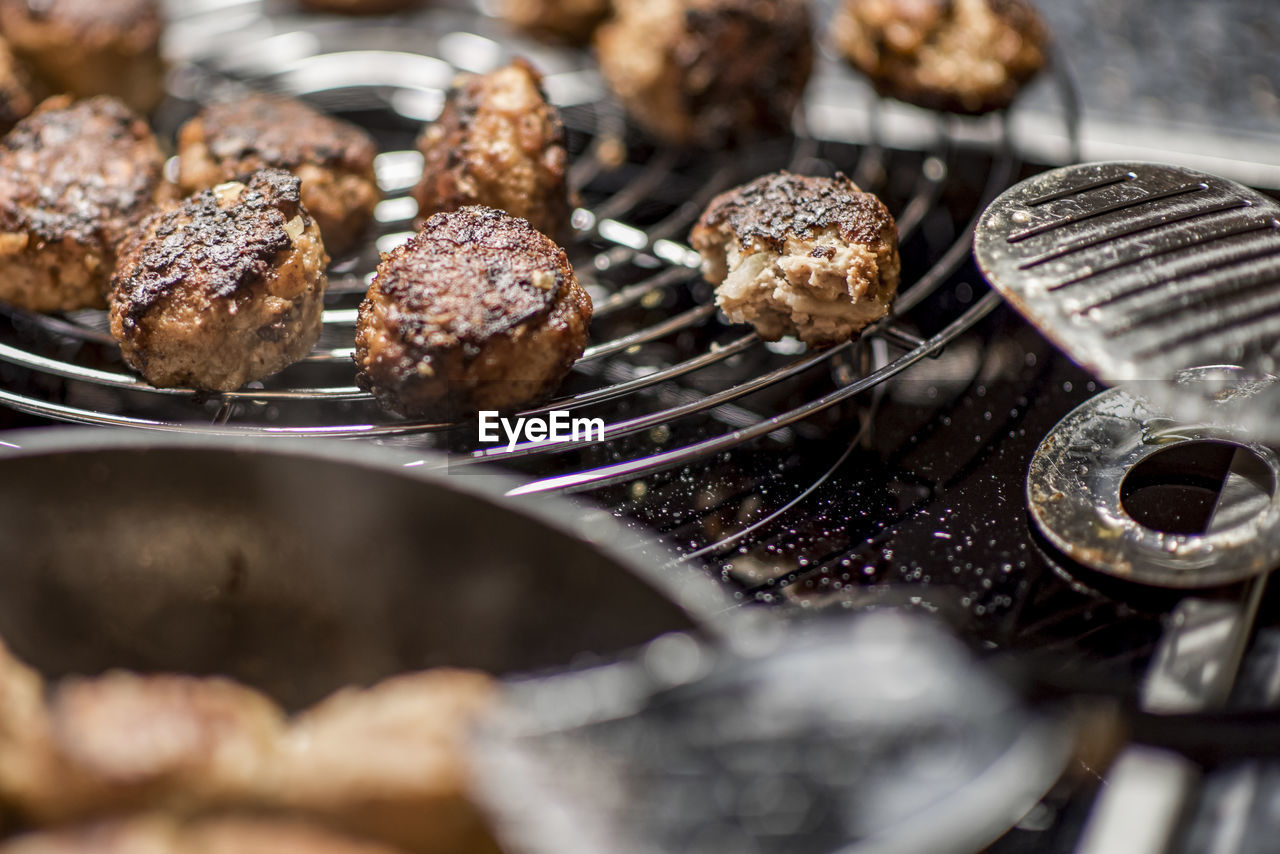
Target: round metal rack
[(674, 384)]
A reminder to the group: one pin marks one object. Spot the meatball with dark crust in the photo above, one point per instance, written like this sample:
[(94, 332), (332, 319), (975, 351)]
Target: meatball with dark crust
[(74, 180), (498, 143), (224, 288), (17, 89), (91, 47), (708, 72), (333, 158), (571, 21), (812, 257), (478, 311), (960, 56)]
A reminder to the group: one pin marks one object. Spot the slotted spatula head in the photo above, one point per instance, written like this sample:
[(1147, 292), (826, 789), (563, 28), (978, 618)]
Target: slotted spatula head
[(1140, 270)]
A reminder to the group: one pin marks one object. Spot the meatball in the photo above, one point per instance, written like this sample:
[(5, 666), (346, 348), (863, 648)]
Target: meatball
[(333, 158), (498, 143), (961, 56), (91, 47), (17, 90), (708, 72), (388, 762), (571, 21), (158, 834), (124, 741), (812, 257), (74, 179), (478, 311), (359, 7), (224, 288)]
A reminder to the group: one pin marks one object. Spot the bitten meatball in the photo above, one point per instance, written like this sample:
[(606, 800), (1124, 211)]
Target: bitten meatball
[(572, 21), (708, 72), (812, 257), (91, 47), (498, 143), (961, 56), (159, 834), (478, 311), (389, 762), (74, 179), (359, 7), (333, 158), (224, 288), (17, 90)]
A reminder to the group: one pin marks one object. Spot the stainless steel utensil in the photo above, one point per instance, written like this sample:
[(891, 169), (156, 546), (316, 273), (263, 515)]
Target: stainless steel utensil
[(877, 733), (1140, 270), (299, 568)]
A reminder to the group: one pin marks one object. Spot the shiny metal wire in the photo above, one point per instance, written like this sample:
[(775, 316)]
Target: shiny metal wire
[(297, 60)]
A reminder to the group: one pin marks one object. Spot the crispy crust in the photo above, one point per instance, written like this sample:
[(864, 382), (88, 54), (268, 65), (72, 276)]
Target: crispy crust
[(224, 288), (333, 158), (708, 72), (74, 180), (498, 143), (91, 47), (792, 255), (477, 311), (960, 56)]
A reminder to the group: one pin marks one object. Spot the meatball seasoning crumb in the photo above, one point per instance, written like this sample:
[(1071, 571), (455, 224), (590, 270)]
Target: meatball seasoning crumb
[(708, 72), (224, 288), (960, 56), (498, 143), (75, 178), (333, 158), (91, 47), (812, 257), (478, 311)]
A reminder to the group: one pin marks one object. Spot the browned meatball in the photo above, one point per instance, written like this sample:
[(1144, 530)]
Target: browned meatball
[(389, 762), (478, 311), (17, 90), (498, 143), (333, 158), (962, 56), (812, 257), (708, 72), (572, 21), (91, 47), (124, 741), (359, 7), (224, 288), (74, 179), (160, 834)]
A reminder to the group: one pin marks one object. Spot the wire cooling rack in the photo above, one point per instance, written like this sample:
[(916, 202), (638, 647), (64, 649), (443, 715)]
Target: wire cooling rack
[(672, 382)]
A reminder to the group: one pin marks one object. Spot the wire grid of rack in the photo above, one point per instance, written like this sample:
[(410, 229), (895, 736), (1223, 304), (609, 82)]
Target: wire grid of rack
[(656, 337)]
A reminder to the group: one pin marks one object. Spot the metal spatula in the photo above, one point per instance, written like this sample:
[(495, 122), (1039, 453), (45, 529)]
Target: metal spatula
[(1139, 270)]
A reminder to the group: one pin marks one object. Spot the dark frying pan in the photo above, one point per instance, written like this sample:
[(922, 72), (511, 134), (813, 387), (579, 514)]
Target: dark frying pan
[(299, 568)]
